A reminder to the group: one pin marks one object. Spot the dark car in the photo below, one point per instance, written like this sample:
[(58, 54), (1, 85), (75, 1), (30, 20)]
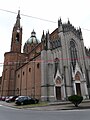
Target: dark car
[(11, 99), (0, 98), (3, 98), (22, 100)]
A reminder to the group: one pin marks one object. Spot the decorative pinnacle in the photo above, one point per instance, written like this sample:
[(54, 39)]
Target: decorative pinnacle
[(68, 21), (18, 16), (59, 22)]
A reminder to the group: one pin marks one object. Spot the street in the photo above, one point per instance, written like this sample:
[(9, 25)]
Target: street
[(8, 113)]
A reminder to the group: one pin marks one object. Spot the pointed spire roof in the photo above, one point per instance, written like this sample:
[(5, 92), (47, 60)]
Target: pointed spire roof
[(18, 19), (59, 21), (68, 21), (33, 33), (43, 35), (18, 16), (79, 29), (48, 31)]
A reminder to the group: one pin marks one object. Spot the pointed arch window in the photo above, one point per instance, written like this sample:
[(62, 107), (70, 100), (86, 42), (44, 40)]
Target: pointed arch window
[(56, 65), (73, 53)]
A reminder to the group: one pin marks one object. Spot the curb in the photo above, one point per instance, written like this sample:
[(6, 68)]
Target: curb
[(52, 106)]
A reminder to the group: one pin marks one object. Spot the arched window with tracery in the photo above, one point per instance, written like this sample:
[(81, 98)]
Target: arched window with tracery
[(73, 53), (56, 65)]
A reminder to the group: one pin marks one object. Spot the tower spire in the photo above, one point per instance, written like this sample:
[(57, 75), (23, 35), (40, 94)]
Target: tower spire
[(18, 19), (17, 35)]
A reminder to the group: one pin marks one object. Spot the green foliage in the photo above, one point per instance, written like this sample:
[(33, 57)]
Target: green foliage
[(75, 99)]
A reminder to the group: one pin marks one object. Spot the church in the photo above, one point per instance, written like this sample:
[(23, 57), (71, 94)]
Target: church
[(51, 69)]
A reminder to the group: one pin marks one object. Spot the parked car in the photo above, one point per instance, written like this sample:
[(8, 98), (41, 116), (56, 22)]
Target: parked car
[(11, 99), (0, 98), (3, 98), (22, 100)]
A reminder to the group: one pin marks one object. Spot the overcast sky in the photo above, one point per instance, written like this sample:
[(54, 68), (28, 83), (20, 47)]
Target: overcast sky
[(77, 11)]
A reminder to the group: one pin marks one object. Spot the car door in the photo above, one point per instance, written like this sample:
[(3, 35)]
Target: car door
[(25, 100)]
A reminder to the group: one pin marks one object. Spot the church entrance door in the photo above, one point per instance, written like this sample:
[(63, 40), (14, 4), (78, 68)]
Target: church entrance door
[(58, 92), (78, 89)]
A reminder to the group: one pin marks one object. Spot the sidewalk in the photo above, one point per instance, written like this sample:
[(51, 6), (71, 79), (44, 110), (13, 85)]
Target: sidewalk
[(63, 106), (51, 106)]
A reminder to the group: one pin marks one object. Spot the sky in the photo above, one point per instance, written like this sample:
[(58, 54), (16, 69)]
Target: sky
[(49, 11)]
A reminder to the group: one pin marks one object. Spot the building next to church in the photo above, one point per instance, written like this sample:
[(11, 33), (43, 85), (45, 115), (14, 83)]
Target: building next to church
[(51, 69)]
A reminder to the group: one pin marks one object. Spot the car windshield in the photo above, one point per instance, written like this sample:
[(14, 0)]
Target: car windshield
[(21, 97), (11, 97)]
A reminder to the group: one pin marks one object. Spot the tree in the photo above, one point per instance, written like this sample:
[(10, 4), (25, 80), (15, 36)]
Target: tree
[(75, 99)]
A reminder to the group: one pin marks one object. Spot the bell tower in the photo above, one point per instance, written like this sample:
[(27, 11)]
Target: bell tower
[(10, 59), (16, 41)]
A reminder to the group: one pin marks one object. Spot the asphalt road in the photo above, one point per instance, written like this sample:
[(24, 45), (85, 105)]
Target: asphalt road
[(7, 113)]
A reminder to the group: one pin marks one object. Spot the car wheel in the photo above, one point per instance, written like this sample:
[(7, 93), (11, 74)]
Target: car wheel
[(36, 101), (22, 103)]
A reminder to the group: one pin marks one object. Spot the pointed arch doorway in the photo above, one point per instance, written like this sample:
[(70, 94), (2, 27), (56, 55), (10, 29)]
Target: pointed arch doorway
[(58, 88), (78, 89), (58, 92), (78, 83)]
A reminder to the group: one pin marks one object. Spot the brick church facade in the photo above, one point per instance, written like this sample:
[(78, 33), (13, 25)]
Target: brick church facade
[(50, 70)]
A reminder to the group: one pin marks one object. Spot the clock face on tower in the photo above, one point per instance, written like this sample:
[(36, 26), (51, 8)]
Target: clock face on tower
[(18, 31)]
